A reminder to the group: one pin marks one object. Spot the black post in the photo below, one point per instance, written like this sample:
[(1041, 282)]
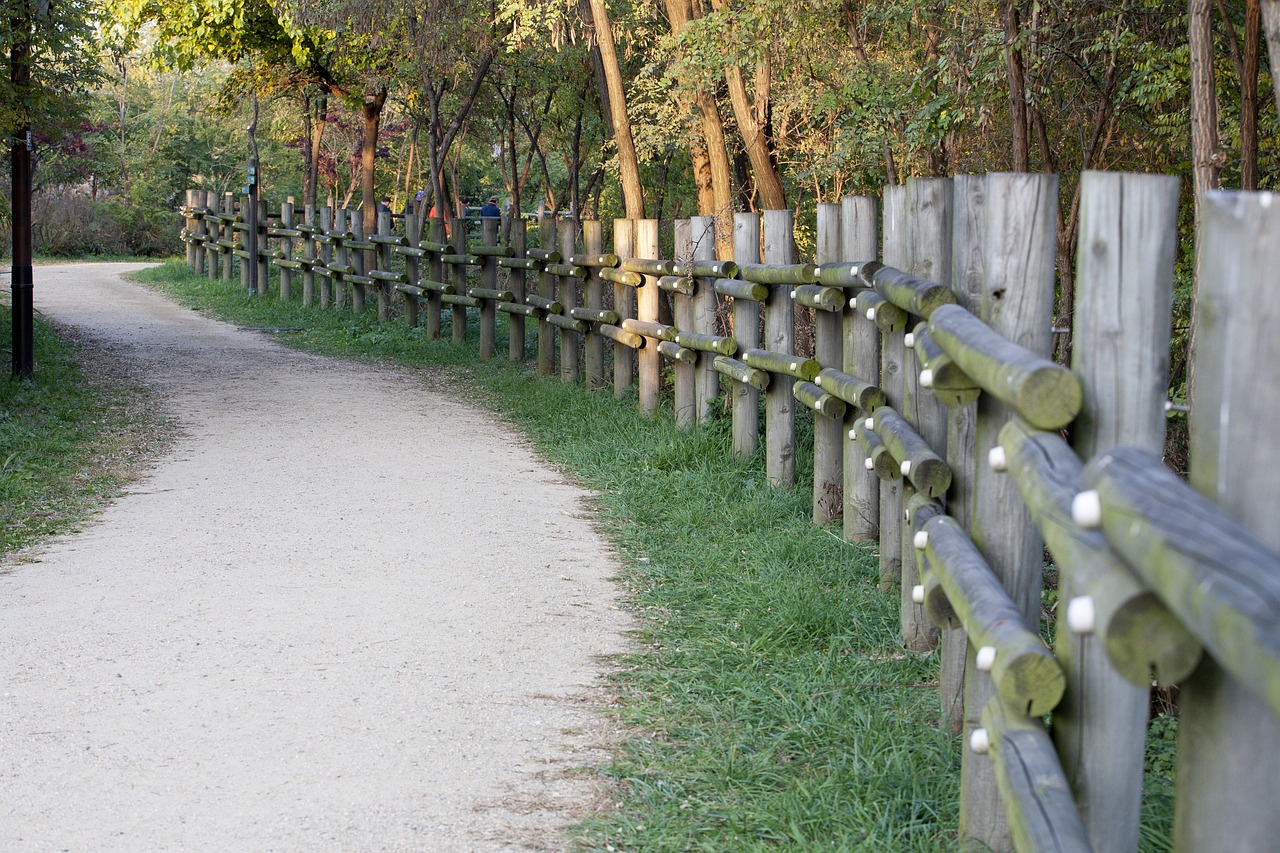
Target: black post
[(21, 284)]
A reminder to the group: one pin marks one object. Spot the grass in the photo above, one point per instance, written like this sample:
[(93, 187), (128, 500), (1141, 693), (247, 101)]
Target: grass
[(768, 702), (68, 440)]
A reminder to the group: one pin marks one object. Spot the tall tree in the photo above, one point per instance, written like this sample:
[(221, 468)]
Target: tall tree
[(624, 140)]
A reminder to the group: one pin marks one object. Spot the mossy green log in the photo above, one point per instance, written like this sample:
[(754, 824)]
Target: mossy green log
[(927, 471), (1220, 580), (1025, 674), (1037, 798), (1144, 640), (784, 363), (1045, 394), (820, 401), (718, 344), (854, 391)]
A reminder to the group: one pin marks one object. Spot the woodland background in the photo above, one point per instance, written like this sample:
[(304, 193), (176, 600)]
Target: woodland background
[(638, 108)]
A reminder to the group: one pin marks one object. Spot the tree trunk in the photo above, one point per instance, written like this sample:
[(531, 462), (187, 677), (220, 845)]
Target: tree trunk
[(1206, 164), (753, 116), (709, 153), (1017, 88), (372, 114), (315, 136), (628, 161), (1249, 96)]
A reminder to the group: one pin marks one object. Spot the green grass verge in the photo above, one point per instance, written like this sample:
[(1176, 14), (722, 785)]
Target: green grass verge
[(68, 440), (769, 702)]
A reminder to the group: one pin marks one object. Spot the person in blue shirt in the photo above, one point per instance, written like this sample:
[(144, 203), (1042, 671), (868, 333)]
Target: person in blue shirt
[(491, 209)]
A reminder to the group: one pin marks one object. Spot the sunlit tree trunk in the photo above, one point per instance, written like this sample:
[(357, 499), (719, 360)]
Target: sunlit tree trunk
[(628, 161)]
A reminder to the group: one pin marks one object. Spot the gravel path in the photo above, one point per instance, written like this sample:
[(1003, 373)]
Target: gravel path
[(344, 612)]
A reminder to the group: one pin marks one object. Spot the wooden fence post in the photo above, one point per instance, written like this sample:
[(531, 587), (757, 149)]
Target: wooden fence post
[(489, 227), (593, 244), (779, 336), (1017, 302), (828, 433), (262, 250), (746, 328), (516, 279), (248, 237), (326, 255), (567, 233), (412, 233), (892, 353), (212, 252), (547, 290), (1124, 292), (309, 253), (435, 267), (1227, 797), (706, 379), (341, 254), (624, 304), (650, 363), (968, 271), (459, 275), (195, 228), (228, 235), (929, 257), (685, 397), (286, 248), (859, 241), (384, 256), (357, 259)]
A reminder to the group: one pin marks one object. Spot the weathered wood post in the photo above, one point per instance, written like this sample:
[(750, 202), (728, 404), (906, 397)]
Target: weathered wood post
[(684, 396), (593, 357), (213, 252), (705, 304), (247, 228), (547, 290), (746, 328), (228, 234), (341, 257), (859, 241), (458, 270), (358, 258), (412, 266), (516, 284), (892, 353), (196, 231), (624, 305), (650, 363), (385, 253), (326, 255), (1227, 798), (828, 433), (489, 227), (968, 272), (567, 234), (929, 257), (286, 248), (435, 267), (309, 256), (779, 336), (262, 250), (1017, 302), (1124, 292)]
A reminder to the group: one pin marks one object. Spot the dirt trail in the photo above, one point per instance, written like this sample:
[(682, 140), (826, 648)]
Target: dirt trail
[(345, 611)]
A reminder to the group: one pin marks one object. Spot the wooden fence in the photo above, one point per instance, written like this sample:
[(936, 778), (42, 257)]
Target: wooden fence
[(938, 431)]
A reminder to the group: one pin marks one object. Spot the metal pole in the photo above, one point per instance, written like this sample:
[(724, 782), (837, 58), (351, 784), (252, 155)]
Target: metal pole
[(21, 285)]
